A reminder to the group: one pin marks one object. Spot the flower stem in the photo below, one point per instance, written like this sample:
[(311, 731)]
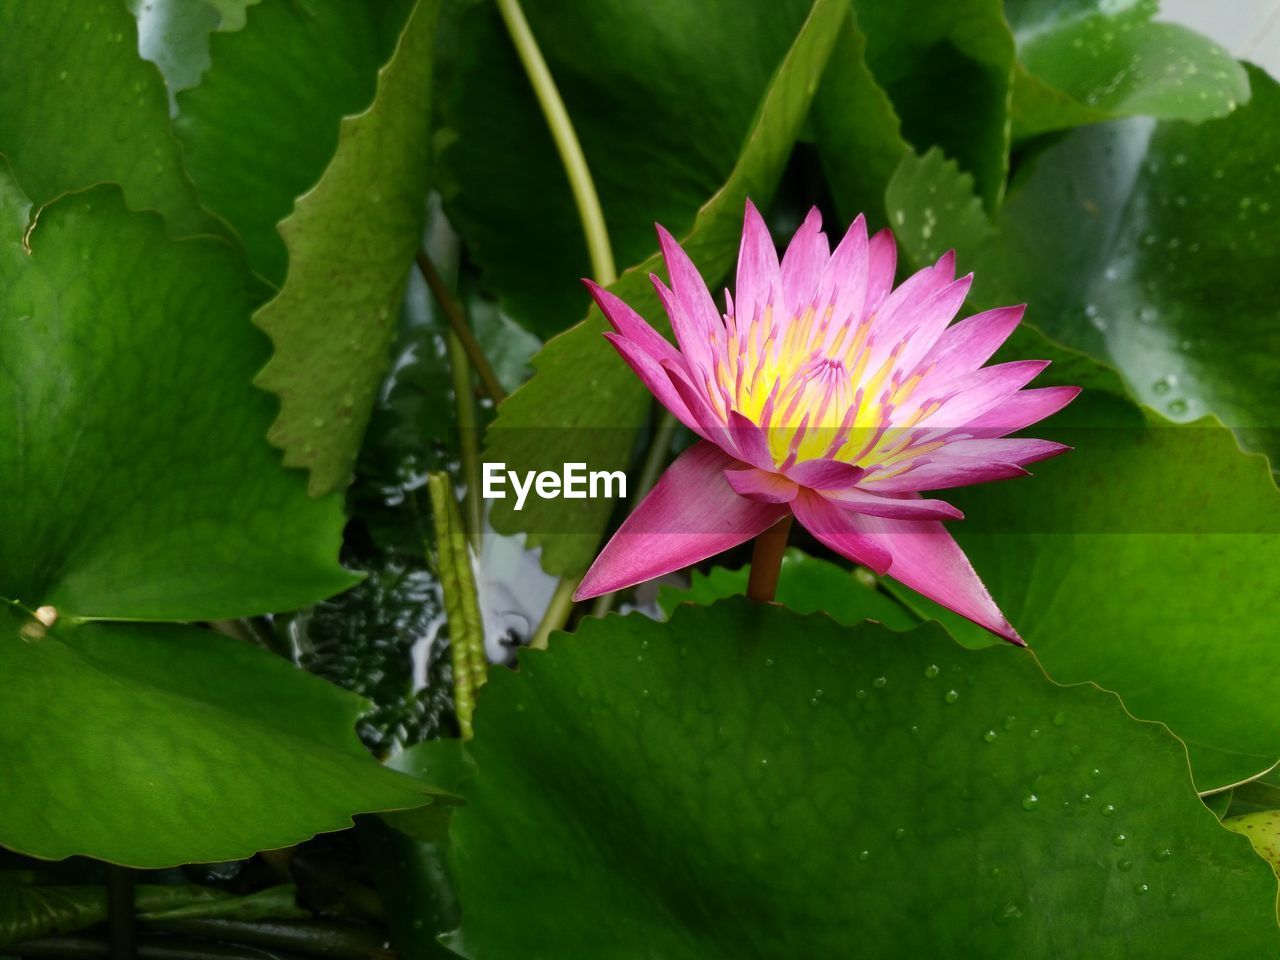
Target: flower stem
[(566, 140), (461, 329), (468, 436), (766, 561), (557, 614)]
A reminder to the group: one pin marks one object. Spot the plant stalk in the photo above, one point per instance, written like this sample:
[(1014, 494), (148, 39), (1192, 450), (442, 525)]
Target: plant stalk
[(457, 321), (766, 561), (566, 140), (469, 438)]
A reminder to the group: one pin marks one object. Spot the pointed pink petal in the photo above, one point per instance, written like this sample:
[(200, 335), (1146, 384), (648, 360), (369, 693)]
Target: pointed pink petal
[(1021, 410), (655, 377), (694, 316), (706, 422), (630, 324), (893, 507), (931, 319), (761, 485), (969, 344), (836, 528), (803, 263), (750, 442), (691, 514), (759, 284), (943, 474), (929, 561), (825, 474), (843, 284), (981, 391), (897, 314), (1019, 450), (882, 264)]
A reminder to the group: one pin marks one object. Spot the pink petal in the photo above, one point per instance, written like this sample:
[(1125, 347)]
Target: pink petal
[(882, 264), (897, 315), (630, 324), (929, 561), (759, 283), (893, 507), (803, 263), (691, 514), (750, 441), (706, 422), (932, 318), (1021, 410), (943, 474), (761, 485), (969, 344), (836, 528), (981, 391), (843, 284), (1019, 450), (693, 313), (654, 376), (825, 474)]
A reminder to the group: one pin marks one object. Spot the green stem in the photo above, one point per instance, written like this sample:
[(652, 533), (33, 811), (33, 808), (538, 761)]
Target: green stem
[(457, 321), (317, 938), (557, 614), (93, 948), (654, 463), (469, 436), (766, 561), (566, 140)]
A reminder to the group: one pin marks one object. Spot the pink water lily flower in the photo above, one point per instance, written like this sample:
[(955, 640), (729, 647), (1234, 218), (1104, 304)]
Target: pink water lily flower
[(825, 392)]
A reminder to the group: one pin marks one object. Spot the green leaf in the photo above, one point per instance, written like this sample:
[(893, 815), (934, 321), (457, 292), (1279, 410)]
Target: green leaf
[(351, 240), (661, 95), (1263, 831), (78, 107), (154, 729), (272, 903), (857, 132), (132, 461), (263, 124), (584, 404), (948, 69), (1145, 246), (1088, 61), (742, 781), (805, 585)]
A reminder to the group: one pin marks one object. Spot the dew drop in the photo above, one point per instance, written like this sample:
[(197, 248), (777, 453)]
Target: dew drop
[(1007, 913), (931, 671), (951, 696), (880, 682), (1034, 733), (1124, 866), (1119, 839), (1059, 719), (864, 856), (899, 833), (1095, 773), (1030, 802), (1086, 797), (1178, 407), (1164, 854), (860, 694), (1108, 809), (990, 736), (1140, 889), (1009, 722)]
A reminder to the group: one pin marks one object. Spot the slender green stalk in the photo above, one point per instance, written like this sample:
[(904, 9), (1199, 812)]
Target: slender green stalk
[(557, 614), (457, 321), (566, 140), (469, 437), (766, 561), (654, 463), (461, 602)]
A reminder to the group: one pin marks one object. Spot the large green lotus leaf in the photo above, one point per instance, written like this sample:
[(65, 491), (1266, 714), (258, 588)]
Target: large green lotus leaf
[(948, 68), (855, 128), (153, 745), (805, 585), (78, 107), (661, 94), (1140, 560), (743, 781), (584, 403), (263, 124), (352, 241), (1147, 246), (137, 480), (1090, 60)]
